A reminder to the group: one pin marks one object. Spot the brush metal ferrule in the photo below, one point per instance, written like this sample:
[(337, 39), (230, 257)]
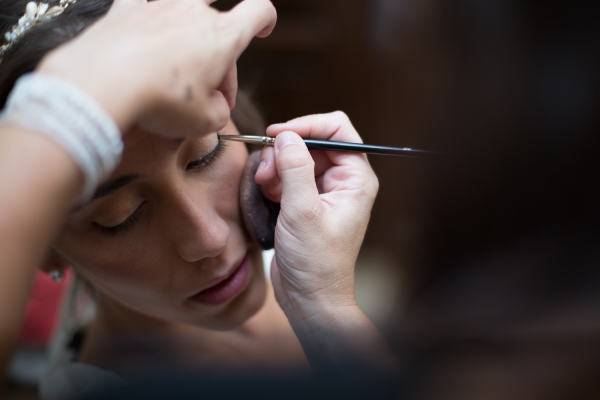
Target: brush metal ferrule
[(265, 140)]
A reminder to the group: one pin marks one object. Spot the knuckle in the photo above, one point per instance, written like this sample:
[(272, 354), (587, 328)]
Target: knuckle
[(272, 11), (320, 124), (294, 157), (297, 169), (216, 120), (264, 7), (375, 184), (341, 116), (267, 7), (374, 190), (369, 188)]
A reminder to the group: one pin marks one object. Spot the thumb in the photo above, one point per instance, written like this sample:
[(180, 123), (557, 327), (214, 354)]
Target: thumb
[(296, 170)]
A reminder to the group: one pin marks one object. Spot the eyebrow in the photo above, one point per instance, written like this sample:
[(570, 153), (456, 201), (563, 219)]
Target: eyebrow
[(115, 184), (106, 189), (177, 144)]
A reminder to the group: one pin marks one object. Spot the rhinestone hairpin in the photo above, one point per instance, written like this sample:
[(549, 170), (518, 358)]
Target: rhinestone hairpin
[(34, 15)]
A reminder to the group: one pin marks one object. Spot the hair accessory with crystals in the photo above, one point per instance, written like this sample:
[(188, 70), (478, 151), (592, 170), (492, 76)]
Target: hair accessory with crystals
[(34, 14)]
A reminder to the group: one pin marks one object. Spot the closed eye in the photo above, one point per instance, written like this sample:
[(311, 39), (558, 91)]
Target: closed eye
[(208, 159), (123, 226), (126, 225)]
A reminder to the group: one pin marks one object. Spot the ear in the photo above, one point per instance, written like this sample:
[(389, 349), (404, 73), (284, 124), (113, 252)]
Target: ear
[(54, 262)]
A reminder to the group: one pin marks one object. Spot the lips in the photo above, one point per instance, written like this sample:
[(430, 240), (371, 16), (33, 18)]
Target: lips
[(228, 288)]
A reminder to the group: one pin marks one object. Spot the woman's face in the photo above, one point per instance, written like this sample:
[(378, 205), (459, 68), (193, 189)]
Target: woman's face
[(164, 236)]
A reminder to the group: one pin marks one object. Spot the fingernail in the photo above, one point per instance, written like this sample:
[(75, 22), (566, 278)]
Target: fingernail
[(287, 138), (261, 166)]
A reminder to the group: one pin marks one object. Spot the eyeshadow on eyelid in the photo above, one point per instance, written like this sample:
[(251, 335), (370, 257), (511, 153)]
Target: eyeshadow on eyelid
[(115, 211), (201, 147)]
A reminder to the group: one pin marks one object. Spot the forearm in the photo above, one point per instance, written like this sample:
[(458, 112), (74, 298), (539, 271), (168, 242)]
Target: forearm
[(39, 181), (341, 337)]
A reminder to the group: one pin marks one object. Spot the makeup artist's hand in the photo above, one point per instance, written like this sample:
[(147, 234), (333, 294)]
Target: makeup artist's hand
[(166, 65), (326, 200)]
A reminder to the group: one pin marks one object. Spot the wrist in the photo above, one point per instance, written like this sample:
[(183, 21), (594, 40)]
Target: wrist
[(309, 314), (54, 107), (342, 337), (336, 337)]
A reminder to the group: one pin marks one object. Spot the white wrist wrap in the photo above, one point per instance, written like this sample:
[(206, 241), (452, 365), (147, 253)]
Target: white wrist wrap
[(63, 112)]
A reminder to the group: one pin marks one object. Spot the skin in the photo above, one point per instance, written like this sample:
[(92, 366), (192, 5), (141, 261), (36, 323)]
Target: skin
[(329, 216), (326, 199), (188, 233), (185, 78), (35, 204)]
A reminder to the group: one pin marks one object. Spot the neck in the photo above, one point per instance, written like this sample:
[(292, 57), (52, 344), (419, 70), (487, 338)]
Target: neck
[(121, 340)]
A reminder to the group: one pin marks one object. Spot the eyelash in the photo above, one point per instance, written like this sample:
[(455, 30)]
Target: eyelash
[(123, 226), (133, 218), (208, 160)]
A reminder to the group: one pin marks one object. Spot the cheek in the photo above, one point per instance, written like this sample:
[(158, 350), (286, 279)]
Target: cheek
[(128, 269)]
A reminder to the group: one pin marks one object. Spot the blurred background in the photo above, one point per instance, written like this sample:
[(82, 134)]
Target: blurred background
[(483, 267), (381, 62)]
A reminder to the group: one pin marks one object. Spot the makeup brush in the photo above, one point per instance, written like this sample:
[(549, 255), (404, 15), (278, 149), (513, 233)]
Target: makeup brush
[(330, 145)]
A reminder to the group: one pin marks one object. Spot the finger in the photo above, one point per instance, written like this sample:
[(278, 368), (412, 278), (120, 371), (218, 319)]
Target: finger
[(218, 112), (322, 162), (333, 126), (247, 20), (267, 171), (272, 191), (300, 197), (266, 175), (229, 86)]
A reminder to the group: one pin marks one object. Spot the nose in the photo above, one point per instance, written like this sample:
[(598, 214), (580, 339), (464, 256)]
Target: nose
[(198, 229)]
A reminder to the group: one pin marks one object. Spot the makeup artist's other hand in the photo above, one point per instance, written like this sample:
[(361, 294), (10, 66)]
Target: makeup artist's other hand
[(326, 200), (166, 65)]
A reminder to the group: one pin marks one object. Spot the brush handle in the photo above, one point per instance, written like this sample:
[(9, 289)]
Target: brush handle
[(331, 145)]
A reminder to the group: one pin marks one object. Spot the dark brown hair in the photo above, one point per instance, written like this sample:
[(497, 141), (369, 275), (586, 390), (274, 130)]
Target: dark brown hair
[(27, 52)]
